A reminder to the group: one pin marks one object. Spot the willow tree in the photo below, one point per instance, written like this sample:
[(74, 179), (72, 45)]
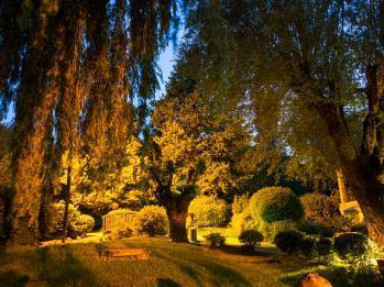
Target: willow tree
[(71, 68), (326, 57)]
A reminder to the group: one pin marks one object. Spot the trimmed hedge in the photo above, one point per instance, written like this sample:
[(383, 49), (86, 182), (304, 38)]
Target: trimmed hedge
[(351, 244), (251, 237), (276, 204), (289, 241)]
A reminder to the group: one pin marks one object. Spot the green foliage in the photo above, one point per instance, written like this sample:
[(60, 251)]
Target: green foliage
[(289, 241), (351, 244), (251, 237), (308, 247), (151, 220), (209, 211), (319, 208), (276, 204), (215, 240), (240, 203), (78, 224), (83, 224), (324, 246)]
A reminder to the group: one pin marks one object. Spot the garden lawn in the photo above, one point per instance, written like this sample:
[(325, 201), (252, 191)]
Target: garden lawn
[(169, 265)]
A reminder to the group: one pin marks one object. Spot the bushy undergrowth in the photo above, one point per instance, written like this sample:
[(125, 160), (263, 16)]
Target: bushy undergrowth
[(78, 224), (150, 220), (209, 211)]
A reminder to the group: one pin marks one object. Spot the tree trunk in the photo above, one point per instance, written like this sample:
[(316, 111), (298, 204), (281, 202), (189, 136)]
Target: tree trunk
[(177, 213), (177, 226), (360, 173), (66, 208)]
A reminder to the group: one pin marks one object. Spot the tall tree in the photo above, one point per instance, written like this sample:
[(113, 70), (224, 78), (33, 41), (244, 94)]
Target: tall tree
[(327, 58), (70, 68)]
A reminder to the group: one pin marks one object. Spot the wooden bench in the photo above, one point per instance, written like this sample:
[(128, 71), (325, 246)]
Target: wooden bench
[(124, 254)]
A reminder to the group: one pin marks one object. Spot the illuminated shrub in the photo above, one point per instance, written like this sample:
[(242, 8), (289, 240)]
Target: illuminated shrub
[(318, 208), (209, 211), (351, 245), (83, 224), (289, 241), (251, 237), (151, 220), (272, 204), (240, 204), (78, 224), (120, 223), (214, 240)]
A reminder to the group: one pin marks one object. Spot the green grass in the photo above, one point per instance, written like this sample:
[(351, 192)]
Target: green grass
[(170, 264), (231, 236)]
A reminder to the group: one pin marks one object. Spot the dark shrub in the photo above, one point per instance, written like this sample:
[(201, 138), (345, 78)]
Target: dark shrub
[(289, 241), (360, 228), (351, 244), (215, 240), (324, 247), (276, 204), (308, 247), (251, 237)]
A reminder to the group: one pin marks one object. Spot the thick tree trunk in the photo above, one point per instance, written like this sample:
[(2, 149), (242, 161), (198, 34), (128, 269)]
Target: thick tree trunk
[(359, 171), (177, 212), (177, 226)]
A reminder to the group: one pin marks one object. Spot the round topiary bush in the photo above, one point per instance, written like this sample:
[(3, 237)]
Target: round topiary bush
[(272, 204), (289, 241), (215, 240), (251, 237), (351, 245), (324, 246), (209, 211), (308, 247), (151, 220)]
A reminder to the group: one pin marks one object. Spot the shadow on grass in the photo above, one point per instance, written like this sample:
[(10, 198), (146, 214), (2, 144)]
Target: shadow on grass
[(61, 268), (338, 277), (240, 250), (166, 282), (183, 267), (13, 279), (220, 274)]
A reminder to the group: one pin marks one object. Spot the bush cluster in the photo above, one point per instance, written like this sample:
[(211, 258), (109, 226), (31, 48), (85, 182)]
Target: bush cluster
[(209, 211), (78, 224), (214, 240), (349, 246), (319, 208), (250, 238), (150, 220)]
